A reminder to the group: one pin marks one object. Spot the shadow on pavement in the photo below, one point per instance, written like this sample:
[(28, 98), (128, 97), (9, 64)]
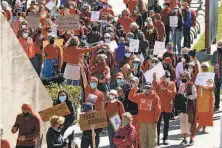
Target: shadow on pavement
[(171, 146), (104, 146)]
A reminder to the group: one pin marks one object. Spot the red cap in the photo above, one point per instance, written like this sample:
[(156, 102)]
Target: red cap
[(119, 75), (26, 107), (94, 79)]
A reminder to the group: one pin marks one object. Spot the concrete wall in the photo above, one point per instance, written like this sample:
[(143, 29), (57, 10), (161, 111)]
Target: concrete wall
[(19, 82)]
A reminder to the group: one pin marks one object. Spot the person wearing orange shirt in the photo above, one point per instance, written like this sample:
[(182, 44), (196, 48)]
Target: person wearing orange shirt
[(6, 10), (166, 90), (131, 5), (4, 142), (106, 10), (112, 107), (125, 21), (92, 94), (173, 3), (149, 112), (158, 24)]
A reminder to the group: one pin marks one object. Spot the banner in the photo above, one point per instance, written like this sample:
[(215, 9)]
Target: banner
[(134, 45), (95, 15), (174, 21), (205, 79), (93, 119), (66, 23), (113, 45), (158, 69), (59, 110), (159, 48), (33, 20)]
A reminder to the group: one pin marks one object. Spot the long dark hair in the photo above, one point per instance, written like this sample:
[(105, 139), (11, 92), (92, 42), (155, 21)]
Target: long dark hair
[(63, 91)]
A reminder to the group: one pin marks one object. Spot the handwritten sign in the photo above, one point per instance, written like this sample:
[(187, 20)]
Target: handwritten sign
[(159, 48), (134, 45), (15, 26), (115, 121), (173, 21), (205, 79), (93, 119), (66, 23), (59, 110), (95, 15), (113, 45), (158, 69), (33, 20), (50, 5)]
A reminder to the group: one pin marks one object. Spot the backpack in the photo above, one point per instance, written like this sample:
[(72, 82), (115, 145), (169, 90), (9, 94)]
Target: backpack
[(194, 17)]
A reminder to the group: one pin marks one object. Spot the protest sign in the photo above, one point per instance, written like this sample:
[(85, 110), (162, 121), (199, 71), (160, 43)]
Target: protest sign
[(115, 121), (173, 21), (15, 26), (93, 120), (50, 5), (113, 45), (59, 110), (70, 22), (95, 15), (158, 69), (33, 20), (53, 30), (159, 48), (134, 45), (205, 79)]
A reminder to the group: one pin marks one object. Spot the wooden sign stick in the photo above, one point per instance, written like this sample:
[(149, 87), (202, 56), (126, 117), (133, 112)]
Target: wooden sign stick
[(93, 137)]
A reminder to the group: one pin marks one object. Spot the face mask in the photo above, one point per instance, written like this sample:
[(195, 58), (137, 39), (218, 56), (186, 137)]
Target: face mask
[(219, 49), (129, 38), (111, 97), (26, 114), (167, 79), (93, 85), (170, 48), (105, 6), (184, 80), (190, 70), (153, 64), (83, 40), (107, 40), (127, 55), (151, 30), (124, 122), (119, 81), (165, 7), (151, 56), (23, 26), (110, 21), (183, 7), (25, 35), (175, 10), (136, 65), (51, 41), (62, 98), (147, 91)]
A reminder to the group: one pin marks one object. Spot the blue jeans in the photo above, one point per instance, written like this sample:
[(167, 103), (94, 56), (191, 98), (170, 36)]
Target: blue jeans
[(176, 37), (111, 134), (72, 82)]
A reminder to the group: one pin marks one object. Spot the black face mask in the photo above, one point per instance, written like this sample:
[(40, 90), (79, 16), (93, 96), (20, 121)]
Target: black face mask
[(219, 50), (51, 41), (26, 114), (184, 80)]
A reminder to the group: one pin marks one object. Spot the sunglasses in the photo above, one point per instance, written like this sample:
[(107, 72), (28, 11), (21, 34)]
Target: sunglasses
[(107, 37), (155, 62)]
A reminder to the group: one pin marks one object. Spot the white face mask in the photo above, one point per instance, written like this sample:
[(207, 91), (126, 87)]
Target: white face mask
[(190, 70), (151, 30), (153, 64), (25, 35), (111, 97), (107, 40), (167, 79), (23, 26)]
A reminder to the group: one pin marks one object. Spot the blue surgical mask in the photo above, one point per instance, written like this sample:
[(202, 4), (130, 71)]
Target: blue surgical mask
[(151, 56), (129, 38), (93, 84), (127, 55), (62, 98), (136, 65), (118, 81), (83, 40)]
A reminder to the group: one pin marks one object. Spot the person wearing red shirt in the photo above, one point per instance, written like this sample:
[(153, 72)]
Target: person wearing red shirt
[(125, 20), (149, 110), (106, 10), (126, 134), (166, 90), (4, 142)]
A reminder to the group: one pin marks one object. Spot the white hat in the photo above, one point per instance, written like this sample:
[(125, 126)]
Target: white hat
[(113, 92), (205, 64), (107, 35)]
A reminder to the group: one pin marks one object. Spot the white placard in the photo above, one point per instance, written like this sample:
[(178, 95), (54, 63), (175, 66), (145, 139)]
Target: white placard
[(115, 121), (158, 69), (134, 45), (205, 79), (113, 45), (159, 48), (173, 21), (69, 22), (33, 20), (53, 32), (95, 15), (50, 5)]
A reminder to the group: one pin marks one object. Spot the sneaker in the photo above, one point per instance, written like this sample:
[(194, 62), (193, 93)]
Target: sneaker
[(165, 142), (184, 142), (216, 109), (191, 143)]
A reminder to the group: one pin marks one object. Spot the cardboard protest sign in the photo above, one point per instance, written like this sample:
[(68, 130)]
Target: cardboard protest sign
[(95, 15), (93, 120), (16, 26), (33, 20), (173, 21), (115, 121), (158, 69), (50, 5), (113, 45), (134, 45), (159, 48), (70, 22), (205, 79), (59, 110)]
